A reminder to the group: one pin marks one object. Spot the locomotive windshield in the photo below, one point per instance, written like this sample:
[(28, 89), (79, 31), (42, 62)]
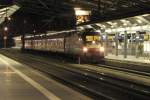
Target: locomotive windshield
[(90, 37)]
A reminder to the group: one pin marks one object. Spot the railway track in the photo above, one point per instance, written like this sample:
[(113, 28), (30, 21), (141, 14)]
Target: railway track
[(140, 72), (133, 66), (98, 84)]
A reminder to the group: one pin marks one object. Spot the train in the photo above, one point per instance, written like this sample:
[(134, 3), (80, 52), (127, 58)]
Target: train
[(85, 45)]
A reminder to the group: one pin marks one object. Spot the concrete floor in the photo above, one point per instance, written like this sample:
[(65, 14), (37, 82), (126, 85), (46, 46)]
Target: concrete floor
[(20, 82)]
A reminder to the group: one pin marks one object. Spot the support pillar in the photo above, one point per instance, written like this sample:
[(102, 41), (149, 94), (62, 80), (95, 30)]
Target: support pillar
[(125, 44), (23, 36), (45, 42), (116, 42), (132, 48), (137, 45), (106, 44), (23, 41)]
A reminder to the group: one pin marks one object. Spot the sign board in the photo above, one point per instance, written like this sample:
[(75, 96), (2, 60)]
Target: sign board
[(93, 38), (81, 15), (146, 37)]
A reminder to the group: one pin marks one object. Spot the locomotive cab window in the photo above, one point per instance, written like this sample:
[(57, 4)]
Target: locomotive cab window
[(91, 38)]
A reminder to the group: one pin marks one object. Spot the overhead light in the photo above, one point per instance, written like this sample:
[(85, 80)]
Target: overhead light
[(108, 30), (98, 31), (125, 24), (88, 26), (81, 28), (139, 21), (145, 15), (80, 12), (98, 24), (143, 19), (9, 18), (104, 26), (109, 23), (115, 23), (4, 9), (6, 28), (1, 13), (77, 8), (123, 20)]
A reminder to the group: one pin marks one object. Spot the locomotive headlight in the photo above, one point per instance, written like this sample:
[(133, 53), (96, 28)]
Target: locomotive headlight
[(85, 49), (93, 42), (102, 49)]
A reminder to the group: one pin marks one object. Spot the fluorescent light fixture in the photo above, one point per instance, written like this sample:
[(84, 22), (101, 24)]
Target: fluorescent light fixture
[(89, 26), (98, 24), (139, 21), (1, 13), (120, 29), (145, 15), (103, 26), (77, 8), (125, 24), (108, 30), (98, 31), (18, 38), (123, 20), (4, 9), (109, 23), (10, 11), (80, 12)]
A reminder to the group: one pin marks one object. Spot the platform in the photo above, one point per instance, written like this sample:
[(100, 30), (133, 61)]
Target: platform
[(129, 58), (19, 82)]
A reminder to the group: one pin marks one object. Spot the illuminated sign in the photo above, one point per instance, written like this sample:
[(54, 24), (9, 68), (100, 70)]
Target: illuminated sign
[(93, 38), (146, 37), (82, 15), (82, 19)]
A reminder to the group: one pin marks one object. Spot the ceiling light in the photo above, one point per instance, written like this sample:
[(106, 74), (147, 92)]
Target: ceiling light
[(125, 24), (98, 24), (145, 15), (1, 13), (80, 12), (139, 21)]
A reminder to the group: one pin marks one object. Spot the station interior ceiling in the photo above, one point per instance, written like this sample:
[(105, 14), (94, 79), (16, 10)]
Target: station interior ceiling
[(136, 23), (106, 14)]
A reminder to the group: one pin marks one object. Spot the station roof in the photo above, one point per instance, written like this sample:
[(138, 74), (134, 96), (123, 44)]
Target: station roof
[(10, 10), (130, 24), (106, 9), (102, 10)]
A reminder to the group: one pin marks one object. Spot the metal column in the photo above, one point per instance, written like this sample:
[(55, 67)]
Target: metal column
[(23, 35), (106, 44), (132, 48), (23, 41), (125, 44), (116, 42), (137, 45)]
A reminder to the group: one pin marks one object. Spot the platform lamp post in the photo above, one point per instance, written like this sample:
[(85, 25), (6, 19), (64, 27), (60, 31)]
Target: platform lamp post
[(5, 36), (5, 29)]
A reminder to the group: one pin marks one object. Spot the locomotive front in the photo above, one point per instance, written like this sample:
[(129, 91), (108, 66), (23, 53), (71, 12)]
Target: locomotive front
[(92, 45)]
